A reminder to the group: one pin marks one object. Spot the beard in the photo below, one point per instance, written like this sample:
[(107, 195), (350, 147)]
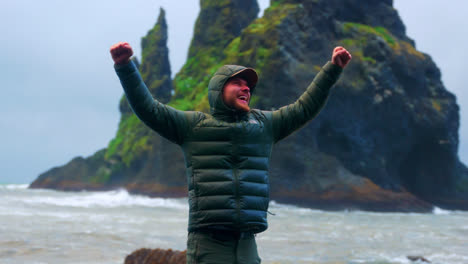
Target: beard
[(238, 105), (242, 107)]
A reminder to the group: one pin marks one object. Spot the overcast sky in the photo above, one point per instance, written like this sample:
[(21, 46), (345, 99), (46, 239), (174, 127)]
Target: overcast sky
[(60, 93)]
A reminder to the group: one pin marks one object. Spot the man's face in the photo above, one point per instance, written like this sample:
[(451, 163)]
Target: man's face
[(236, 94)]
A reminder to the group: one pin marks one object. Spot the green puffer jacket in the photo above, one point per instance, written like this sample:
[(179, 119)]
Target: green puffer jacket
[(227, 152)]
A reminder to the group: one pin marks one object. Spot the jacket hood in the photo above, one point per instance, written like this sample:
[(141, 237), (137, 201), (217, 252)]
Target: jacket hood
[(215, 89)]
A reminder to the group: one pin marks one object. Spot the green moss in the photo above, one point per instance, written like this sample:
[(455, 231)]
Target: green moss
[(254, 100), (347, 42), (191, 83), (181, 104), (369, 59), (185, 85), (354, 42), (365, 30), (273, 17), (256, 28), (113, 146), (156, 83), (355, 45), (152, 38), (274, 4), (102, 175), (263, 52), (211, 3), (194, 77), (203, 105), (357, 54), (383, 32), (259, 54), (436, 105), (405, 47), (233, 48), (131, 140), (191, 86)]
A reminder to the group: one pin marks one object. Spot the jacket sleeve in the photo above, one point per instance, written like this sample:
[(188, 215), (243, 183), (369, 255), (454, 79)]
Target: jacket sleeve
[(165, 120), (290, 118)]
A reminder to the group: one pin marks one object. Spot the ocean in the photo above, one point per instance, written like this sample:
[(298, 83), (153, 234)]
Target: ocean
[(45, 226)]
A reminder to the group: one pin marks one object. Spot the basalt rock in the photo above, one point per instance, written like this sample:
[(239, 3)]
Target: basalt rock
[(156, 256), (125, 161), (418, 258), (387, 139)]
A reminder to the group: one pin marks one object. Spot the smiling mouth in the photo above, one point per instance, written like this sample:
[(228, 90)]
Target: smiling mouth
[(242, 98)]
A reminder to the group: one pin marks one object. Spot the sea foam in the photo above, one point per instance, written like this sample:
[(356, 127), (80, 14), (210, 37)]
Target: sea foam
[(14, 186), (108, 199), (440, 211)]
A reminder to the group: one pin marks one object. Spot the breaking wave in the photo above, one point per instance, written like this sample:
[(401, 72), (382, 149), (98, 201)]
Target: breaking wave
[(108, 199)]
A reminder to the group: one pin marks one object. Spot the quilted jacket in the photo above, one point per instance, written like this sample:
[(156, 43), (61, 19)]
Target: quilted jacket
[(227, 152)]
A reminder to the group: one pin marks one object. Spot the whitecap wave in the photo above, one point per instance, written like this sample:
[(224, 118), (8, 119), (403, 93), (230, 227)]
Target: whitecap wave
[(440, 211), (14, 186), (109, 199), (290, 207)]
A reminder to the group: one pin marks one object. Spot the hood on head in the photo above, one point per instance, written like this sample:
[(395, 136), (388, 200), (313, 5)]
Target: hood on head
[(215, 87)]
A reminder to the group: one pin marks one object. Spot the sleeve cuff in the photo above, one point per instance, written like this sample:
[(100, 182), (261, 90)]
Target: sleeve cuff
[(332, 70), (125, 68)]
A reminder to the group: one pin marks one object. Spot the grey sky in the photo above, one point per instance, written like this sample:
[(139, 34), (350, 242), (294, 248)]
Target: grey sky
[(60, 93)]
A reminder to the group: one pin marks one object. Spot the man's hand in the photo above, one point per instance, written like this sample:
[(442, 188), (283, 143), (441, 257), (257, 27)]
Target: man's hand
[(341, 57), (121, 52)]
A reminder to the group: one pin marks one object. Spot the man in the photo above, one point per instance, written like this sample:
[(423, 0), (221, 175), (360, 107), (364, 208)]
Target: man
[(227, 152)]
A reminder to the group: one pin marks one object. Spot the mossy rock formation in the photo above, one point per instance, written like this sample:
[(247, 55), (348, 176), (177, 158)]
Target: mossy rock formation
[(387, 139)]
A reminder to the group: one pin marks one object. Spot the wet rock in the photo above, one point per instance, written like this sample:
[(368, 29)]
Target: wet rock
[(418, 258), (156, 256)]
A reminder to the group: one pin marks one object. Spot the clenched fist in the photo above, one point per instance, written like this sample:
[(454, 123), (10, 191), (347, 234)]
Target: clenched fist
[(121, 52), (341, 57)]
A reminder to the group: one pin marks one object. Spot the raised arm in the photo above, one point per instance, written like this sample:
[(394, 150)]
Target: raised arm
[(167, 121), (289, 118)]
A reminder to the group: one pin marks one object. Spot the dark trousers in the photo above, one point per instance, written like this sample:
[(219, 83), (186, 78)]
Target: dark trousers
[(221, 247)]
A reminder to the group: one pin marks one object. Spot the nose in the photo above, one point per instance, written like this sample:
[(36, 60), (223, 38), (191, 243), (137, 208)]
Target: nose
[(245, 88)]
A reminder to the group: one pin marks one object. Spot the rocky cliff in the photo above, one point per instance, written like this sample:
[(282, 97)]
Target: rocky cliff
[(387, 139)]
